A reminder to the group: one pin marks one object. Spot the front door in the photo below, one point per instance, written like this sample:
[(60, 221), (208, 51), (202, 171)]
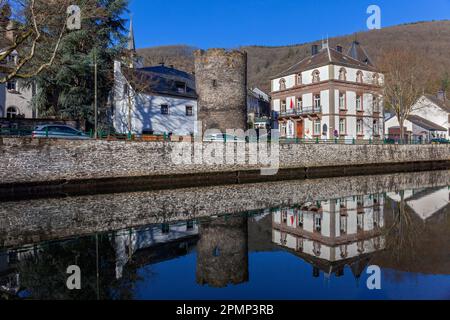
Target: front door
[(300, 129)]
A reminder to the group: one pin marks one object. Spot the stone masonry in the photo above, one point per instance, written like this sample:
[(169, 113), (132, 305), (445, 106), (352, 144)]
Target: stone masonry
[(221, 84), (46, 160)]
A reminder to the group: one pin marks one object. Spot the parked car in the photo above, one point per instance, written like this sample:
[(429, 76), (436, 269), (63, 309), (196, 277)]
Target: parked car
[(220, 137), (58, 132), (440, 141)]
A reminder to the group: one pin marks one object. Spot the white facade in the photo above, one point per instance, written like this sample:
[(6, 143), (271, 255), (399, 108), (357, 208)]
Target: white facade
[(431, 109), (146, 112), (329, 101), (15, 98), (336, 230)]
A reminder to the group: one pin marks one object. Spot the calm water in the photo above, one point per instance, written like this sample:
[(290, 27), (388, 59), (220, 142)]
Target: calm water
[(317, 249)]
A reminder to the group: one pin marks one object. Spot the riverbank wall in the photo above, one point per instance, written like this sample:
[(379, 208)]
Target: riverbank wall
[(75, 165)]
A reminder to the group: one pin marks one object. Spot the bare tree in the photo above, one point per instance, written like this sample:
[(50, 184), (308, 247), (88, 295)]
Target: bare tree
[(38, 28), (406, 80)]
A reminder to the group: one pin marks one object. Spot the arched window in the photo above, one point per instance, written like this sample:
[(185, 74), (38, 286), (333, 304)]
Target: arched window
[(316, 76), (359, 77), (342, 74), (282, 84), (299, 79), (376, 79), (12, 112)]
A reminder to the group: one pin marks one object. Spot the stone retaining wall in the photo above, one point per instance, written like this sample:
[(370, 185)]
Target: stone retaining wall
[(46, 160)]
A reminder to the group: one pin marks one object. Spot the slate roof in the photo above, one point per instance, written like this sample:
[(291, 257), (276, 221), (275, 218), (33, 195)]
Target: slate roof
[(425, 124), (161, 80), (444, 105), (328, 56)]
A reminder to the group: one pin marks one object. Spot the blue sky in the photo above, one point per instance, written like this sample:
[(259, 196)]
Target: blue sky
[(232, 23)]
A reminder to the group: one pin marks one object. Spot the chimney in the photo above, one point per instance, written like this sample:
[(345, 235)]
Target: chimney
[(314, 49), (339, 48), (162, 63), (441, 95)]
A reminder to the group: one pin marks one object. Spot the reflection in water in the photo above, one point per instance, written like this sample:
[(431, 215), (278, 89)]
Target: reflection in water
[(222, 252), (334, 233), (404, 231)]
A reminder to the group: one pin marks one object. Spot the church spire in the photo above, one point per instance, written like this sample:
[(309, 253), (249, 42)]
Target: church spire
[(131, 42)]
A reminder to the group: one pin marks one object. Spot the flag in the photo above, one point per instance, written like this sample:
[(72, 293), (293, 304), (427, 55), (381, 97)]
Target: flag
[(292, 104)]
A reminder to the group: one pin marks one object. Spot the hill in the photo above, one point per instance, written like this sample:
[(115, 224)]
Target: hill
[(428, 39)]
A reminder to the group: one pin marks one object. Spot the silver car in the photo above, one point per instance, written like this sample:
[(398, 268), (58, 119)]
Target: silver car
[(54, 131)]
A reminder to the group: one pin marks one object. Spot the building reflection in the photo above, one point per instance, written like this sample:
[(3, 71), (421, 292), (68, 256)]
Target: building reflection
[(222, 252), (425, 203), (332, 234)]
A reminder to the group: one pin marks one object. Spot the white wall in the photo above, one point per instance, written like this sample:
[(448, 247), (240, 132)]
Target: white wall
[(146, 111)]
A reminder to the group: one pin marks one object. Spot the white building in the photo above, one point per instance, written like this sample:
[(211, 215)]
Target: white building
[(153, 100), (335, 230), (15, 97), (429, 118), (330, 95)]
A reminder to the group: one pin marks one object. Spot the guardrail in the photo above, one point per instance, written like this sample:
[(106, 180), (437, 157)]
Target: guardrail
[(301, 112), (110, 136)]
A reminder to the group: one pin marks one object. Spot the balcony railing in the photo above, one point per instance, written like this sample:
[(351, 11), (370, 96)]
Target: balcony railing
[(301, 112)]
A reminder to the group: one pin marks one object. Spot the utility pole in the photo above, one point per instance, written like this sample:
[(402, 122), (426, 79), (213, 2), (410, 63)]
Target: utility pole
[(96, 94)]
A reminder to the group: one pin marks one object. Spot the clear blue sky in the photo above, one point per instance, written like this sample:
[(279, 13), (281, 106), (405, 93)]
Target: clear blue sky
[(231, 23)]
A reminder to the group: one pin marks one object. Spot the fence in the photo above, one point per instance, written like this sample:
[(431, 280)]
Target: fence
[(105, 135)]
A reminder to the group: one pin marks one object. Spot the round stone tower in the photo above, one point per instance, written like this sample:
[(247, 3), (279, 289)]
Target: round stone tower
[(222, 252), (221, 82)]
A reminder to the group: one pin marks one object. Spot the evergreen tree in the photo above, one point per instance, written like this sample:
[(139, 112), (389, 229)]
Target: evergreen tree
[(66, 90)]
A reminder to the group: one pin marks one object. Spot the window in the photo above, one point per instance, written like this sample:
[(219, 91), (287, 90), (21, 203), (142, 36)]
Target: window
[(181, 87), (317, 223), (300, 103), (125, 90), (299, 79), (343, 224), (375, 104), (301, 219), (359, 77), (342, 101), (165, 109), (360, 222), (189, 111), (283, 130), (316, 76), (342, 127), (12, 112), (344, 251), (283, 105), (317, 126), (359, 106), (376, 130), (282, 84), (376, 79), (12, 85), (317, 102), (359, 126), (342, 74), (317, 248)]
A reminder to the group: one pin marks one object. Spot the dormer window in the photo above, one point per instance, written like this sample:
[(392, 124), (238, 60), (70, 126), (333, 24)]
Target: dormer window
[(342, 74), (316, 76), (282, 84), (359, 77), (181, 87)]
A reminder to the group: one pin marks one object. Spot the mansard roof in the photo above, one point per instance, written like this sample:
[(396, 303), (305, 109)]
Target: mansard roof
[(328, 56), (161, 80)]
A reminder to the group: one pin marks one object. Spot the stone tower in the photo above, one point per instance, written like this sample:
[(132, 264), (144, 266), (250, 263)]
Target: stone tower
[(221, 81), (222, 252)]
